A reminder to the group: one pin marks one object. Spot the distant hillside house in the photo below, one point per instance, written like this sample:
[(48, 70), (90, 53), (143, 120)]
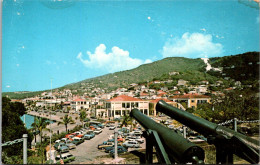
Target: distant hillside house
[(192, 100), (78, 104), (173, 73), (182, 82), (122, 105)]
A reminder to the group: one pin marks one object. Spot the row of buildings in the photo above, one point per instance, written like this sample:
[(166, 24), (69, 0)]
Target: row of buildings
[(123, 104)]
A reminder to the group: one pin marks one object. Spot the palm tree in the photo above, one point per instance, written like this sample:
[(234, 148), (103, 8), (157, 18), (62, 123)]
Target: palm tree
[(40, 124), (66, 120), (34, 129), (82, 116), (127, 120)]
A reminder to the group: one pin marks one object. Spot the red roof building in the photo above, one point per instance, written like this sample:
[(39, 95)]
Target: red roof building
[(123, 104)]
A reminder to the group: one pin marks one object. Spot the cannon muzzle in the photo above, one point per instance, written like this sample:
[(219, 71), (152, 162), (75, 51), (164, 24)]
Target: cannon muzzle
[(177, 147), (209, 129)]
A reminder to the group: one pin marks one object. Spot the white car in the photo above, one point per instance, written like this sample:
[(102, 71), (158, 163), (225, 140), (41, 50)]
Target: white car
[(131, 144), (98, 131), (112, 127), (195, 139)]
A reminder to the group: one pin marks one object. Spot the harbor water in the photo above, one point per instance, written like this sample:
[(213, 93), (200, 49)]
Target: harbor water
[(29, 119)]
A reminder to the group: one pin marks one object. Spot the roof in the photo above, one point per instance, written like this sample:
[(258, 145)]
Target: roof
[(161, 92), (190, 96), (79, 100), (156, 101), (143, 94), (124, 98)]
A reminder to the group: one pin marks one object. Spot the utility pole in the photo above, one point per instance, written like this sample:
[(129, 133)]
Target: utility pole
[(25, 136), (116, 133), (50, 127)]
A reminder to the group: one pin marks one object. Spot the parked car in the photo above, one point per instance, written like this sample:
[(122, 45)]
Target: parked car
[(112, 127), (131, 144), (71, 145), (139, 139), (91, 133), (67, 157), (100, 125), (120, 150), (87, 136), (98, 131), (108, 149), (195, 139), (65, 140), (105, 144), (62, 147), (77, 140)]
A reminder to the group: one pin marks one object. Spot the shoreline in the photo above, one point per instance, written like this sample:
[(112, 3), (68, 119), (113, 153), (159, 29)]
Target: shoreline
[(52, 117)]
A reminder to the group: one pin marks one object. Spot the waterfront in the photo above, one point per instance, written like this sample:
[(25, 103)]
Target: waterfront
[(29, 119)]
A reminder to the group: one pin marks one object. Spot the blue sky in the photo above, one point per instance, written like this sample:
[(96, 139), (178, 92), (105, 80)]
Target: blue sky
[(69, 41)]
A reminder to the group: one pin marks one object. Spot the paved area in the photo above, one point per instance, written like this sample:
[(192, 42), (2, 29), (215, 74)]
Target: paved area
[(88, 150)]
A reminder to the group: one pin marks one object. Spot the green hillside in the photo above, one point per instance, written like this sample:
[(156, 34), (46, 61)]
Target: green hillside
[(242, 67), (144, 73)]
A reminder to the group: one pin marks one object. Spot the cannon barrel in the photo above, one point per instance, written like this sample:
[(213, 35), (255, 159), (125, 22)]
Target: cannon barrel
[(179, 148), (203, 126)]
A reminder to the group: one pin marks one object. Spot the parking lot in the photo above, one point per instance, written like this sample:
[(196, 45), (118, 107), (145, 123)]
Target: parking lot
[(87, 151)]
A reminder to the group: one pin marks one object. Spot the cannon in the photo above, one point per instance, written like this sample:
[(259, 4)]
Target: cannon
[(227, 141), (175, 147)]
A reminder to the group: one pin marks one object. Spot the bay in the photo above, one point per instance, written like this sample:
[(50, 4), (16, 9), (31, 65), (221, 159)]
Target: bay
[(29, 119)]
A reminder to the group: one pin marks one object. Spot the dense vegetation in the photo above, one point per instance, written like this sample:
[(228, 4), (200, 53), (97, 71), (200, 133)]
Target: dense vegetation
[(242, 105), (12, 129), (242, 67)]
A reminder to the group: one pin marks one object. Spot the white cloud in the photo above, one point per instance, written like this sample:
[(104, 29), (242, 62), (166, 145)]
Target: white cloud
[(192, 45), (17, 65), (8, 86), (149, 18), (203, 29), (116, 60)]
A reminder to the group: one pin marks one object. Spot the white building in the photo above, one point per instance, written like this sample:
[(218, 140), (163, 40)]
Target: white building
[(122, 105), (78, 104)]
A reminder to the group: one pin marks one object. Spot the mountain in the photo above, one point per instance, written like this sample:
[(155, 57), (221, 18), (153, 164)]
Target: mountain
[(144, 73), (242, 67)]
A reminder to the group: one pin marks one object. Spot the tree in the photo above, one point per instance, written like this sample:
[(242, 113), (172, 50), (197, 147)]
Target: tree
[(66, 120), (127, 120), (242, 105), (40, 124), (82, 116), (13, 128), (34, 130)]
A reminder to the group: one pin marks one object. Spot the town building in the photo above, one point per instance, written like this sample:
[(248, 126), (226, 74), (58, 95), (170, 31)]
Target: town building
[(123, 104), (78, 104), (192, 100), (182, 82)]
